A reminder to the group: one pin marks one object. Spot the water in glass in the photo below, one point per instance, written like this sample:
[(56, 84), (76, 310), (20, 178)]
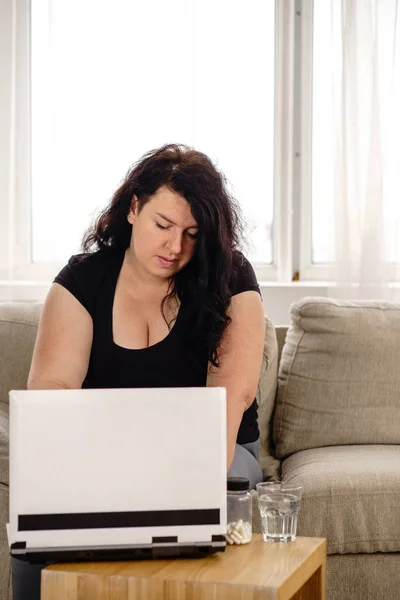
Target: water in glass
[(279, 510)]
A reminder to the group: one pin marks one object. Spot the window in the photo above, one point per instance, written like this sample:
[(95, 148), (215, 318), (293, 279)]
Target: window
[(112, 81), (247, 84)]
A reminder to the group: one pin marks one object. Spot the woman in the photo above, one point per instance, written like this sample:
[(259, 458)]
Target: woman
[(161, 298)]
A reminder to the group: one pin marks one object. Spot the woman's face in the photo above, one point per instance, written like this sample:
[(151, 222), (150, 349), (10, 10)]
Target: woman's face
[(163, 233)]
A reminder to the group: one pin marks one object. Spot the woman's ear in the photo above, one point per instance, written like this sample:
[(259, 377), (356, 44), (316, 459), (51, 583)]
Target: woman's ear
[(133, 211)]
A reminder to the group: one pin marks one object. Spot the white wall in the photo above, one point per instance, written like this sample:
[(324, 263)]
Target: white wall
[(278, 298)]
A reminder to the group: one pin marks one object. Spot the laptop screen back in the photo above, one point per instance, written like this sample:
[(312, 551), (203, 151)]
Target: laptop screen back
[(116, 466)]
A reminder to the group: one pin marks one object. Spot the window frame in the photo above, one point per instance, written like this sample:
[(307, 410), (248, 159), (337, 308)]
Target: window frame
[(309, 271)]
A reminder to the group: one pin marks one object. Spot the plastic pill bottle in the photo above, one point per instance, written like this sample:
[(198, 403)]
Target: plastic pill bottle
[(239, 511)]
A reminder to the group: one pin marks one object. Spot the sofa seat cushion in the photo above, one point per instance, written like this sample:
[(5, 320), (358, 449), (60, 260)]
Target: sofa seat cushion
[(351, 496)]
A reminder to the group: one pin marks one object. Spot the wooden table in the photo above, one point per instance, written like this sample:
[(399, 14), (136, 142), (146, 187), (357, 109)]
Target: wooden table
[(256, 571)]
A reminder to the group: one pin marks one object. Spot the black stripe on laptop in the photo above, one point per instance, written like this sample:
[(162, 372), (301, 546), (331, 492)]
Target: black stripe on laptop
[(107, 520), (168, 539), (218, 538)]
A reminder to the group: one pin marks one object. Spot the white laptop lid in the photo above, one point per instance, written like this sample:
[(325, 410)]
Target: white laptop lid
[(117, 467)]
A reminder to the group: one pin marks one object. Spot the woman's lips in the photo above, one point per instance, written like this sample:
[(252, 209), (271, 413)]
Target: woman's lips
[(166, 262)]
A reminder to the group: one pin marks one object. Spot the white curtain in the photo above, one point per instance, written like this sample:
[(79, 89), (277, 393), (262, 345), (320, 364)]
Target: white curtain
[(366, 96)]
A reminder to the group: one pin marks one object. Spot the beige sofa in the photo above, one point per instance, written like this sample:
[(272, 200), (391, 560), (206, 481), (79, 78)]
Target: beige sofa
[(333, 425)]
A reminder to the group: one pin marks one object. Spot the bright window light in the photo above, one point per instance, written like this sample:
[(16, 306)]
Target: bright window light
[(111, 81), (322, 217)]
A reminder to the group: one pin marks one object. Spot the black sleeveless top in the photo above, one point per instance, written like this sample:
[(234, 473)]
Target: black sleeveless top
[(172, 362)]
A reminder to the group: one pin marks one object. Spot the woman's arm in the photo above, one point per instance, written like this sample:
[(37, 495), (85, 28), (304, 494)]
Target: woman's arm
[(240, 354), (62, 350)]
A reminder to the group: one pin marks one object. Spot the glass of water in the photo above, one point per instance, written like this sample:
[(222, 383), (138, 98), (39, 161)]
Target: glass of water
[(279, 505)]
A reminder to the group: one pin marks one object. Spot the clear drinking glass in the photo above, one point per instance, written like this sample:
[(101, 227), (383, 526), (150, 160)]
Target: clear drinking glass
[(279, 505)]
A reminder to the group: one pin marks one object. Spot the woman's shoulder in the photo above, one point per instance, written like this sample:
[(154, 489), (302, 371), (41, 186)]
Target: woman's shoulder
[(243, 277), (89, 260), (84, 274), (90, 266)]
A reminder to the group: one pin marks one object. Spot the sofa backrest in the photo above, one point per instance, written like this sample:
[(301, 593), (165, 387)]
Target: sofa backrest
[(339, 376), (18, 329)]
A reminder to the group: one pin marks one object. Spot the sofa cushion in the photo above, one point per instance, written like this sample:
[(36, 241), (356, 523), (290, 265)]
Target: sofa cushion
[(18, 329), (266, 399), (339, 376), (5, 560), (351, 496), (4, 439), (363, 576)]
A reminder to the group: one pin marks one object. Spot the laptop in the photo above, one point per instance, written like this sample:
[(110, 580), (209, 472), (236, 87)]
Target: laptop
[(117, 473)]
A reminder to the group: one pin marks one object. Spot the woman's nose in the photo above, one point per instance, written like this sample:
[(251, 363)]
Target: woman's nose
[(175, 243)]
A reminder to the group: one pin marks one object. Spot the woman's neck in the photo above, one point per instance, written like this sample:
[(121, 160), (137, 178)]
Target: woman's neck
[(139, 283)]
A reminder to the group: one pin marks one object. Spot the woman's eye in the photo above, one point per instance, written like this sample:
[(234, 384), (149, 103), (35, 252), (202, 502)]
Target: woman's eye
[(161, 226), (192, 236)]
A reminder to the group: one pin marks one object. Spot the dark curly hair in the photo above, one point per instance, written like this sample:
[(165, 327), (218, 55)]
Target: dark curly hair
[(204, 285)]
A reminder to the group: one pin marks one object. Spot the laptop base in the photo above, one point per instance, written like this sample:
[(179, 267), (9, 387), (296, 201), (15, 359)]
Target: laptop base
[(114, 554)]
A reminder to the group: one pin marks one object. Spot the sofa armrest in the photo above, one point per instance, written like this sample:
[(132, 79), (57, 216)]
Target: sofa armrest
[(4, 443), (265, 396)]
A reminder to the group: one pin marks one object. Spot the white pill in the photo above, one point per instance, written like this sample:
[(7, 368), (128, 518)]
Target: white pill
[(247, 533), (238, 532), (238, 524), (236, 537)]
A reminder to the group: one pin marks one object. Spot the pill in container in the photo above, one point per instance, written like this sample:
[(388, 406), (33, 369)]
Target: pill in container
[(239, 511)]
